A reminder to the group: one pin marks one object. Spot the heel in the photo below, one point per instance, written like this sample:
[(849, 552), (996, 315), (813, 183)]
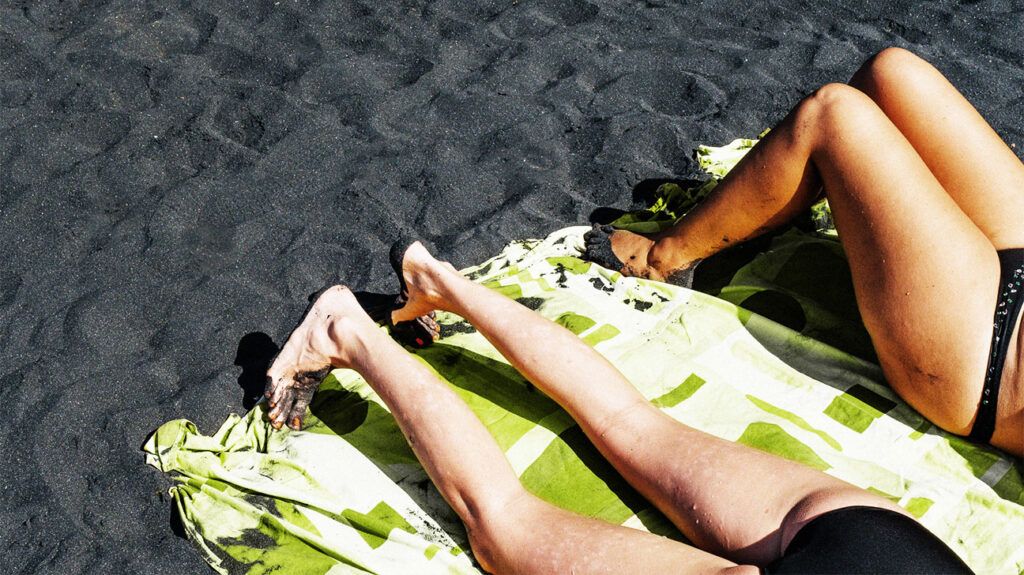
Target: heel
[(422, 331)]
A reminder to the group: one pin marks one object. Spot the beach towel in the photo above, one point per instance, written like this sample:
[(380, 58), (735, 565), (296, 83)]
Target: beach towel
[(790, 375)]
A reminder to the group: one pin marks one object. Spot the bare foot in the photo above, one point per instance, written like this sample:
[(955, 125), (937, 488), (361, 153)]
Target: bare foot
[(423, 276), (620, 250), (633, 250), (644, 256), (315, 347)]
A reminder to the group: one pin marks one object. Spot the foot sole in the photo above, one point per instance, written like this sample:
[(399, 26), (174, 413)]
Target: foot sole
[(422, 331)]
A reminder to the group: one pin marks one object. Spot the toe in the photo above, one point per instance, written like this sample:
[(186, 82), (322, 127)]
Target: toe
[(279, 419), (280, 387), (598, 249), (298, 411), (430, 323), (428, 328), (417, 332), (278, 414), (274, 411), (593, 233)]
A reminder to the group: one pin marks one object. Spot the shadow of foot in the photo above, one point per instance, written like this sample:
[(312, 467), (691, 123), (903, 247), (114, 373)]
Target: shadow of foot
[(644, 196), (255, 352)]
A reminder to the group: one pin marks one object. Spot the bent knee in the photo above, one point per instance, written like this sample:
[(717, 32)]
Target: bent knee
[(891, 64), (836, 108), (496, 532), (836, 100), (489, 544)]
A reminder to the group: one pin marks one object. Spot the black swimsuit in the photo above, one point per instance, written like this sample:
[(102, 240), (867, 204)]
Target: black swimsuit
[(1008, 308), (866, 540)]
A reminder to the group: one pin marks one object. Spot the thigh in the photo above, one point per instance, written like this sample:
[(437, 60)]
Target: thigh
[(978, 170), (925, 275), (730, 499), (537, 537)]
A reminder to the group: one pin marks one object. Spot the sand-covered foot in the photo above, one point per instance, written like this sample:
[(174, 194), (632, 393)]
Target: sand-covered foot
[(315, 347), (636, 255), (422, 275), (619, 250)]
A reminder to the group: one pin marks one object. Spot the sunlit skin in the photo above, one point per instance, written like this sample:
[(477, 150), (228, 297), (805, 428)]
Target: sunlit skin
[(712, 489), (926, 288), (923, 193)]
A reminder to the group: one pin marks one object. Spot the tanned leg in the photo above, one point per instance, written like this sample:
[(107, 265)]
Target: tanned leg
[(965, 155), (924, 274), (971, 162), (975, 167)]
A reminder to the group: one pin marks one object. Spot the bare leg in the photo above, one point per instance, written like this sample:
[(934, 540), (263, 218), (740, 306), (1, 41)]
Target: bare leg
[(926, 282), (967, 158), (980, 172), (713, 490), (975, 167), (511, 531), (773, 183), (924, 274)]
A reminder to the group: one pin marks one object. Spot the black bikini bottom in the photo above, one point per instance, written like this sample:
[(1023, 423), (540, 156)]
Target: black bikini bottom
[(866, 540), (1008, 307)]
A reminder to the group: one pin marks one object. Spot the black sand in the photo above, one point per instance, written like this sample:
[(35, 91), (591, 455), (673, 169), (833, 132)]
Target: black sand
[(176, 175)]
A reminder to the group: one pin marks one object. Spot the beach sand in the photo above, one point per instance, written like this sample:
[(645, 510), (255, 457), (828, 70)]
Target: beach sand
[(176, 178)]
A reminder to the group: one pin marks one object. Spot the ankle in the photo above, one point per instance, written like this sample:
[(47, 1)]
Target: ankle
[(452, 293), (668, 255), (437, 282), (348, 340)]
